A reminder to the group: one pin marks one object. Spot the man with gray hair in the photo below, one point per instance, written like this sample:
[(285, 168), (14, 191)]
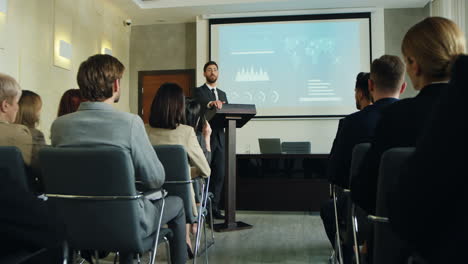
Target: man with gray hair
[(26, 222), (13, 134)]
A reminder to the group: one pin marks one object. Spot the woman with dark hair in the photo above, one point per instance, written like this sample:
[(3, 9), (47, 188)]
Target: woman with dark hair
[(166, 127), (69, 102), (200, 125)]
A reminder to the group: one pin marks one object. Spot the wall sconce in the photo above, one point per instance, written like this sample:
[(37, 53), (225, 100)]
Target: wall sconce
[(107, 51), (3, 6), (65, 50)]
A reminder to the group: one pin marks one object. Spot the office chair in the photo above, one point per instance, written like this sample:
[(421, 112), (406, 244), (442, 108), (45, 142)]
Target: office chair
[(178, 182), (388, 247), (94, 193), (359, 153), (11, 161)]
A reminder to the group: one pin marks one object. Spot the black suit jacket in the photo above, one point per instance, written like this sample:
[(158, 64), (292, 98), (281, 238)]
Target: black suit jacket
[(400, 125), (203, 95), (354, 129)]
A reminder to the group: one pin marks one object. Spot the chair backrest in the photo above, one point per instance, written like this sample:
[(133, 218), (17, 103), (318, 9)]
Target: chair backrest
[(99, 224), (12, 166), (388, 247), (175, 162), (296, 147), (269, 145), (359, 153)]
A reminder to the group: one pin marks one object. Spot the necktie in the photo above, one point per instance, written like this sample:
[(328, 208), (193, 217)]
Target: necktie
[(214, 94)]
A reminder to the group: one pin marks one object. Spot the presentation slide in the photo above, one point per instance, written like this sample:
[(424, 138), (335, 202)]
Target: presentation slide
[(292, 68)]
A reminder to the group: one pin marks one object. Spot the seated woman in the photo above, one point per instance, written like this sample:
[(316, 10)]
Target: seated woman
[(200, 125), (29, 112), (203, 131), (166, 127), (70, 101)]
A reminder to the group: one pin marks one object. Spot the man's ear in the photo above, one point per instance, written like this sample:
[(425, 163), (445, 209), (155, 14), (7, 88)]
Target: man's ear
[(371, 85), (3, 106), (403, 87), (116, 86)]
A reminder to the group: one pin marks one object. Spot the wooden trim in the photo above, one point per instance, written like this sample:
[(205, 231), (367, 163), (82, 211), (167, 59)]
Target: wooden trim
[(142, 74)]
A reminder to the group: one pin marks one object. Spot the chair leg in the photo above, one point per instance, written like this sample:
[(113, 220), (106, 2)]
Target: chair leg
[(96, 255), (168, 250), (337, 233), (355, 230), (116, 257), (200, 224), (65, 252), (206, 243), (211, 221), (155, 246)]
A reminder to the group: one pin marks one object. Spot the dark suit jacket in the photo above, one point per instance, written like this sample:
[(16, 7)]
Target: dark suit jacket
[(427, 205), (203, 95), (400, 125), (354, 129)]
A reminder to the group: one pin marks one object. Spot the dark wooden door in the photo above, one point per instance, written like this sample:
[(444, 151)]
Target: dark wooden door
[(150, 81)]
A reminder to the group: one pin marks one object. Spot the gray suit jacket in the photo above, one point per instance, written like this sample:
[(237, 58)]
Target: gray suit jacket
[(99, 124)]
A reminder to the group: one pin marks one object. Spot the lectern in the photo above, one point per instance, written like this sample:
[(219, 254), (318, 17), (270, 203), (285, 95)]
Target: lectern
[(230, 116)]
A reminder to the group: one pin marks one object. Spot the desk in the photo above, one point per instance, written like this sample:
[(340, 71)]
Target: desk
[(281, 182)]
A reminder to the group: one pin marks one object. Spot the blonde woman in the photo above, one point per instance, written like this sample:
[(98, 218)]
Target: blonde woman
[(429, 49), (29, 113)]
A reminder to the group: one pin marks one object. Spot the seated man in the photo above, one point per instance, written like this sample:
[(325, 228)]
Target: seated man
[(386, 83), (97, 123), (13, 134), (26, 223)]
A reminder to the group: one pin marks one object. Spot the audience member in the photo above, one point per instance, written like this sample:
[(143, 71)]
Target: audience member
[(361, 91), (428, 49), (166, 127), (70, 101), (386, 83), (13, 134), (426, 205), (202, 128), (97, 123), (30, 105), (26, 224)]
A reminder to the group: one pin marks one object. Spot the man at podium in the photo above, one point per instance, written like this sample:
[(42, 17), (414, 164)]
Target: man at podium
[(209, 96)]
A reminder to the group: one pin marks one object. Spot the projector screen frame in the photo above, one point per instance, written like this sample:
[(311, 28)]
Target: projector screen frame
[(286, 18)]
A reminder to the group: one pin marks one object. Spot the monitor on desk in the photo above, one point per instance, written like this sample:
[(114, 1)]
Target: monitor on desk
[(270, 145)]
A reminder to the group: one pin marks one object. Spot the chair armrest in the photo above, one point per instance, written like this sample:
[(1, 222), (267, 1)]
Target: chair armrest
[(155, 194), (378, 219), (346, 190), (178, 182)]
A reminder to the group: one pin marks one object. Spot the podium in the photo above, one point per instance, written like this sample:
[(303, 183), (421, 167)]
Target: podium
[(230, 116)]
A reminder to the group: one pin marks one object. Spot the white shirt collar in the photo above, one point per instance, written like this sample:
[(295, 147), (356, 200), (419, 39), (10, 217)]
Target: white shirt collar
[(210, 87)]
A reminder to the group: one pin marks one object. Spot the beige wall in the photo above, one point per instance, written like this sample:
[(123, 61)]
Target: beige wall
[(28, 47), (160, 47), (397, 23)]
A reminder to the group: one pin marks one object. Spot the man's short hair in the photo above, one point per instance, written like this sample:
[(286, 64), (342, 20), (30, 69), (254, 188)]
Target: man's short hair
[(9, 88), (97, 75), (208, 64), (362, 84), (388, 73)]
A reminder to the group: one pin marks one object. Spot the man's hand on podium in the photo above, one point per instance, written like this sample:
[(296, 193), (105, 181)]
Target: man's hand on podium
[(218, 104)]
